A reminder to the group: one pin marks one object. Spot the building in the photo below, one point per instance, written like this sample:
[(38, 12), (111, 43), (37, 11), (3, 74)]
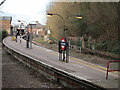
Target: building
[(37, 29), (5, 23), (21, 28)]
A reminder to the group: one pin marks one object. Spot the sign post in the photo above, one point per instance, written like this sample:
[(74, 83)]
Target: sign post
[(63, 50)]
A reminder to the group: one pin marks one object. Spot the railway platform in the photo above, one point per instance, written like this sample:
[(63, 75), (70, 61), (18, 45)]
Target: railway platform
[(77, 68)]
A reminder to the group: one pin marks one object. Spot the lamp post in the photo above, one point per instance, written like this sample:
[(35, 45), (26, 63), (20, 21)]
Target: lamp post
[(31, 37), (30, 34), (27, 34), (21, 27), (22, 21), (21, 31), (64, 19), (64, 53)]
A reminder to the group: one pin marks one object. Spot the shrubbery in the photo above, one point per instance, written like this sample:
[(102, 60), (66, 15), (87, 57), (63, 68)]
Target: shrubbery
[(3, 34), (0, 36), (103, 45)]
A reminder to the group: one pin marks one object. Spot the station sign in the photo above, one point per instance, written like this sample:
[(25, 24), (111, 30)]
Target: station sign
[(63, 43)]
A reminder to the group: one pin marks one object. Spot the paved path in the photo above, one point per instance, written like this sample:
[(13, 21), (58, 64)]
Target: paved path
[(76, 67)]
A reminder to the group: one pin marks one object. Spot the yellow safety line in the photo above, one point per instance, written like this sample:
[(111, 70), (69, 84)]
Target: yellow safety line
[(90, 64), (102, 69), (94, 68)]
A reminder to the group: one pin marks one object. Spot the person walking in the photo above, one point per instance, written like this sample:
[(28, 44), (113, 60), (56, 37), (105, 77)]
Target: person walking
[(16, 35), (27, 39)]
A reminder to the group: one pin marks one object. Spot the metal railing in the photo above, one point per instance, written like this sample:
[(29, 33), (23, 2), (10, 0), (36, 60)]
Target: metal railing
[(108, 66)]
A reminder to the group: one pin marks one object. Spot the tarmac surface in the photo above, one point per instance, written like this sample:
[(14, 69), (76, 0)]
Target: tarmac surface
[(75, 67)]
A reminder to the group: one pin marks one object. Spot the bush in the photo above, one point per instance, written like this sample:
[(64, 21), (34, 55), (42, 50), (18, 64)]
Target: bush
[(4, 34), (79, 43), (0, 36), (108, 46), (102, 46), (115, 48)]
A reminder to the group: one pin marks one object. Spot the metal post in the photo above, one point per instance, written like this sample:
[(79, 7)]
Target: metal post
[(107, 70), (64, 58), (20, 32), (67, 53), (31, 36), (27, 38), (60, 51), (16, 34), (80, 50)]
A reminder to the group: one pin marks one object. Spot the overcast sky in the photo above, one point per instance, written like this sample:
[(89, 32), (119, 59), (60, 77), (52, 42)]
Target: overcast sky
[(30, 10), (27, 10)]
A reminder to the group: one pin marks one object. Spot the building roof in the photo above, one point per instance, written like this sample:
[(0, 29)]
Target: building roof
[(5, 18)]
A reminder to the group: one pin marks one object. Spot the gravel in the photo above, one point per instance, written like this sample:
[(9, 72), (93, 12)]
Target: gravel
[(16, 75)]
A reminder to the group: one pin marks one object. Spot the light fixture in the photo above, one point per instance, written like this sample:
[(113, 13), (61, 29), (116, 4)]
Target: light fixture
[(79, 16), (50, 14)]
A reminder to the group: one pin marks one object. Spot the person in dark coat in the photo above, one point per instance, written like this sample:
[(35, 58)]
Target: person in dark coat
[(28, 39), (16, 35)]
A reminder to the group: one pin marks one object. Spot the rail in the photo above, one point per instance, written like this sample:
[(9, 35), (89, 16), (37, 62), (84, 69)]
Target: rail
[(108, 65)]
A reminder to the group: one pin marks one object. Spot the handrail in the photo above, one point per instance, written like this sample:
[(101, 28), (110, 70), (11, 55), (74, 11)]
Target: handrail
[(108, 64)]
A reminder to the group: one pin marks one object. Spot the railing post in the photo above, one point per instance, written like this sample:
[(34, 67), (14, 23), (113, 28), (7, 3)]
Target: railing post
[(107, 70), (108, 65)]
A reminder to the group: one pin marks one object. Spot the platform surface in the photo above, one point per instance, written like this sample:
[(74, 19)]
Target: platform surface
[(76, 67)]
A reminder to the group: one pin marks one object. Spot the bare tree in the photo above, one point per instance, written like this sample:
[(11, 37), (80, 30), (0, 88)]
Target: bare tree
[(2, 2)]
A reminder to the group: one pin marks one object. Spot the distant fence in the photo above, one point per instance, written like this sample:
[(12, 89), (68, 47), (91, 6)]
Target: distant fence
[(94, 52), (79, 49)]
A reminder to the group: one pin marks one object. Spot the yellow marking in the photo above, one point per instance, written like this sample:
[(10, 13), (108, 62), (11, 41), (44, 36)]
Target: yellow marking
[(99, 68), (93, 67), (89, 63)]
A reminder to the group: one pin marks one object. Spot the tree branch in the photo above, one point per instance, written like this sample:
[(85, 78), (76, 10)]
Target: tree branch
[(2, 2)]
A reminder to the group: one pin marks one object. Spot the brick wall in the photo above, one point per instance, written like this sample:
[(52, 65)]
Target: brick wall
[(5, 23)]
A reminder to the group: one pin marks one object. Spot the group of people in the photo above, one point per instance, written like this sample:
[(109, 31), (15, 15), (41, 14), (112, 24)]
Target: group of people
[(27, 38)]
